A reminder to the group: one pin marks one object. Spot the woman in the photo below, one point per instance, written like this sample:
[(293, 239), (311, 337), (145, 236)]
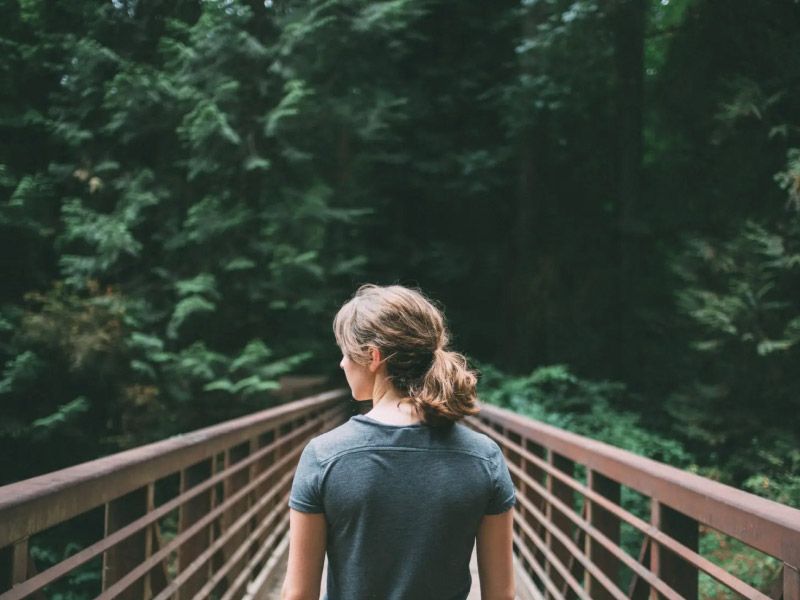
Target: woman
[(399, 496)]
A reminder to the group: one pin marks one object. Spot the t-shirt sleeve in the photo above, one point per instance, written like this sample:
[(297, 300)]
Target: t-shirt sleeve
[(305, 495), (504, 496)]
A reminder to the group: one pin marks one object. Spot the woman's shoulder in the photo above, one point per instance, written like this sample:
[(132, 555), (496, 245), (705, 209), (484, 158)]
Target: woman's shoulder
[(479, 443), (335, 440)]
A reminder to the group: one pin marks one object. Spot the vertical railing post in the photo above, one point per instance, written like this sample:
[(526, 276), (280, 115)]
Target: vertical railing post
[(791, 582), (274, 457), (233, 484), (13, 564), (156, 579), (126, 555), (537, 474), (677, 573), (189, 513), (285, 448), (254, 520), (150, 501), (564, 493), (607, 524), (516, 459), (6, 568), (219, 462), (261, 465), (153, 583), (655, 548)]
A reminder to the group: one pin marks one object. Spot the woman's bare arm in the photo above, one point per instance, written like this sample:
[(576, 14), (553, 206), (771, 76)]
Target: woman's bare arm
[(307, 543), (495, 566)]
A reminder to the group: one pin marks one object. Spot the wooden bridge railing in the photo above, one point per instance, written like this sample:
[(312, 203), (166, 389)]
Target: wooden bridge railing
[(570, 520), (188, 517), (205, 515)]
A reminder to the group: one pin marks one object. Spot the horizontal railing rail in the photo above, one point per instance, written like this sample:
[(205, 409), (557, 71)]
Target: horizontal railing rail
[(570, 517), (191, 516)]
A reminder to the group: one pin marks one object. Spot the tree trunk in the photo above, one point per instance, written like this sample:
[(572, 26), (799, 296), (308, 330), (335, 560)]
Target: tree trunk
[(525, 315)]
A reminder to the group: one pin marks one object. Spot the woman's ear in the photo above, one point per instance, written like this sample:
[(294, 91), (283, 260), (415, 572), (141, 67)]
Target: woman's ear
[(375, 359)]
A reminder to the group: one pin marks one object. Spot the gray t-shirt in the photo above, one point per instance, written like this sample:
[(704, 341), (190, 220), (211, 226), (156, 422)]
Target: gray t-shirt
[(402, 505)]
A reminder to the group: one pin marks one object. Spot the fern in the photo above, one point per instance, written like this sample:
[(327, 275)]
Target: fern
[(46, 425), (21, 371)]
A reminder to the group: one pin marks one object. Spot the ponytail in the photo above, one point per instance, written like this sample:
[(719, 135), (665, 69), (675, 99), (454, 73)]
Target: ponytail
[(447, 392)]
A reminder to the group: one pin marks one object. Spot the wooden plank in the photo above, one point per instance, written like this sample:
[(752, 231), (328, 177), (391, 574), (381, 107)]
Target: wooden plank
[(268, 584), (526, 588)]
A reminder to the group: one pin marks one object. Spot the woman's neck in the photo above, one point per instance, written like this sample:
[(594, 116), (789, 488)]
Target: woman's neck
[(394, 410)]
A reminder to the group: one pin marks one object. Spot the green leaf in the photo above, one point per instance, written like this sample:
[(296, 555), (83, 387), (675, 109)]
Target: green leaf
[(296, 92), (22, 370), (185, 308), (254, 355), (62, 415), (765, 347), (256, 163), (204, 283), (143, 368), (222, 385), (240, 263), (145, 342)]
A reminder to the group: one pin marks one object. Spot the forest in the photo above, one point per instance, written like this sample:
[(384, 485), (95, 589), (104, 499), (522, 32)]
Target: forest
[(603, 195)]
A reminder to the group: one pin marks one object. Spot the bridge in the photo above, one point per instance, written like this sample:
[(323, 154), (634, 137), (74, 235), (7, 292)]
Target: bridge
[(205, 515)]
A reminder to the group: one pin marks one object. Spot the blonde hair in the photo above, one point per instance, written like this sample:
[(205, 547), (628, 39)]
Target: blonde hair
[(412, 336)]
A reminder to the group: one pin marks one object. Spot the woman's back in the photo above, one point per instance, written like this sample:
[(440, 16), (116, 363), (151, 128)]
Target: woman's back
[(402, 505), (397, 498)]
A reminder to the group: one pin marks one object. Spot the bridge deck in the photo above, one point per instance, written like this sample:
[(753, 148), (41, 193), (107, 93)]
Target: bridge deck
[(272, 590)]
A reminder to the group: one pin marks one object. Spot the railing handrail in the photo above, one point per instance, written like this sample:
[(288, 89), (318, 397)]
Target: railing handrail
[(766, 525), (34, 504)]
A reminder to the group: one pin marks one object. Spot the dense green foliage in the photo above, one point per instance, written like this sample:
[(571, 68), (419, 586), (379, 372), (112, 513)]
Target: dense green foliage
[(189, 189), (557, 397), (176, 240)]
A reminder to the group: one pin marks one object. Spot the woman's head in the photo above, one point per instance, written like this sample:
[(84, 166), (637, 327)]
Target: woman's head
[(411, 336)]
